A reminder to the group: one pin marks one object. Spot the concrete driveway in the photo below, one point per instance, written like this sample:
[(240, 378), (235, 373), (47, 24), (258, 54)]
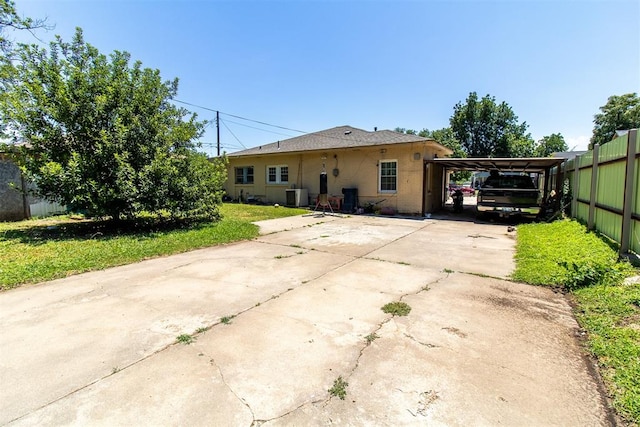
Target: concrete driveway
[(278, 319)]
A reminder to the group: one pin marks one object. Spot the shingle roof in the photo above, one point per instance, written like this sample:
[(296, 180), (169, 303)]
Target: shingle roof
[(338, 137)]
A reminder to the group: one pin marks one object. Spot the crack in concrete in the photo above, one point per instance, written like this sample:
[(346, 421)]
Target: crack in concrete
[(424, 288), (91, 383), (348, 261), (257, 423), (212, 361), (425, 344)]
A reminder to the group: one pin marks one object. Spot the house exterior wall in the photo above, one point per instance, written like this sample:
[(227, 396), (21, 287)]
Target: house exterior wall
[(356, 168), (12, 201)]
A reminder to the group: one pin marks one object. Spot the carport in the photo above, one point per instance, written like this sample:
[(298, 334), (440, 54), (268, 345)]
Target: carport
[(540, 165)]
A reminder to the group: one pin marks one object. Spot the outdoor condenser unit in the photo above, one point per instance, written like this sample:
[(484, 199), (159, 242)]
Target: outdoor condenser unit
[(297, 197)]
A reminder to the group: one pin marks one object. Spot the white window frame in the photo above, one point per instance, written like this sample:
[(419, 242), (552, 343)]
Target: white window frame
[(245, 175), (380, 190), (279, 174)]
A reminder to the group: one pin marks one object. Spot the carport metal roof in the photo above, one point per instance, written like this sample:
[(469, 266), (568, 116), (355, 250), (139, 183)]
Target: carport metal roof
[(523, 164)]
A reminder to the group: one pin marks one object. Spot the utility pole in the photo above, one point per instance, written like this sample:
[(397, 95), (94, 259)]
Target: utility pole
[(218, 130)]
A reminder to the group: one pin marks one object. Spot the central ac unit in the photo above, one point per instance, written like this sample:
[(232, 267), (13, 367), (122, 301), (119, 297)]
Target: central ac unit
[(297, 197)]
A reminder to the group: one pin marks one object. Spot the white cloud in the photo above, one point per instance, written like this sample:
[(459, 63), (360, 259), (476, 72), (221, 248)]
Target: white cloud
[(577, 143)]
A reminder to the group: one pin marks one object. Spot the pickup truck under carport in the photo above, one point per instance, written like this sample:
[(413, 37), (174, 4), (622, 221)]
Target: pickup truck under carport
[(509, 195)]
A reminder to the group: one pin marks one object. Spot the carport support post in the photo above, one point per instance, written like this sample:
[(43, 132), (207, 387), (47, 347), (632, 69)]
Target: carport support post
[(594, 188), (576, 186), (545, 194), (559, 183), (629, 189)]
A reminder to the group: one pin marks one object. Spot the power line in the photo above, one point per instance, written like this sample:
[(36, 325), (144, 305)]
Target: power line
[(267, 124), (264, 130), (234, 135)]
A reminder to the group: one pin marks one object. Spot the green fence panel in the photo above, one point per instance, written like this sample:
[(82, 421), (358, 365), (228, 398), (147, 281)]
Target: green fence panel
[(610, 189), (611, 178), (582, 213), (584, 190), (609, 224), (586, 159), (616, 149)]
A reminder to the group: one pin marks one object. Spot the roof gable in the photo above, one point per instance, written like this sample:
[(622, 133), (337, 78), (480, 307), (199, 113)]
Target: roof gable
[(337, 137)]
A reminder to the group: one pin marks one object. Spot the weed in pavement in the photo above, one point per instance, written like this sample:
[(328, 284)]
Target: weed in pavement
[(226, 319), (185, 339), (371, 337), (397, 308), (339, 388)]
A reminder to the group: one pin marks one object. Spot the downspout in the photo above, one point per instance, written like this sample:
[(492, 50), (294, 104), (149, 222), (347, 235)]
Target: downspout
[(424, 186)]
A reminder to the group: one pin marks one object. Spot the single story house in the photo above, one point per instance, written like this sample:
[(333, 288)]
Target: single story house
[(381, 168)]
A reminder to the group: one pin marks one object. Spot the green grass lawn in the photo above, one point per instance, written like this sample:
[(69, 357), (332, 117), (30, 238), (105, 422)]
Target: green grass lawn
[(37, 250), (563, 253)]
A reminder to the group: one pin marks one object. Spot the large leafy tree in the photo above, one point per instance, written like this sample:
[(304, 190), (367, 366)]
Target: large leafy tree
[(104, 136), (11, 20), (619, 113), (550, 144), (488, 129)]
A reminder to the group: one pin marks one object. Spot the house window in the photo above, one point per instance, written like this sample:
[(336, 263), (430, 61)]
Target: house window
[(388, 176), (244, 175), (277, 174)]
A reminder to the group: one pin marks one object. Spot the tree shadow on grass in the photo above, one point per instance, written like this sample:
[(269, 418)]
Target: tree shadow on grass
[(142, 229)]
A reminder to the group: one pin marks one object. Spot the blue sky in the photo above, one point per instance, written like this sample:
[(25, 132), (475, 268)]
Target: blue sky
[(312, 65)]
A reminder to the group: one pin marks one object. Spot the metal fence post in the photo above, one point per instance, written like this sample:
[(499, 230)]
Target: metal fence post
[(629, 189), (576, 186), (594, 188)]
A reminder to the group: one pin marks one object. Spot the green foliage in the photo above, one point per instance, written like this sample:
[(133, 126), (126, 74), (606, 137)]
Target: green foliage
[(611, 315), (339, 388), (487, 129), (550, 144), (563, 253), (10, 18), (446, 137), (226, 319), (185, 339), (105, 138), (371, 337), (397, 308), (619, 113), (589, 272), (407, 131)]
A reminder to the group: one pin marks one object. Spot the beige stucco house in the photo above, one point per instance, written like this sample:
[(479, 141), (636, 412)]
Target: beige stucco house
[(383, 167)]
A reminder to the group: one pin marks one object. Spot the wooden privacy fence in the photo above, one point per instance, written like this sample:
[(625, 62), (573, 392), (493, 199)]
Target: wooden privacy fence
[(604, 184)]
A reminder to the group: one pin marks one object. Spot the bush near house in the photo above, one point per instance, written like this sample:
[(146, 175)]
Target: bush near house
[(564, 254), (104, 135)]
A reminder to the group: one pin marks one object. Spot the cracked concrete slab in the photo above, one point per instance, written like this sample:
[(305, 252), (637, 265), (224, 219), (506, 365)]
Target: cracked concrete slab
[(179, 386), (304, 305)]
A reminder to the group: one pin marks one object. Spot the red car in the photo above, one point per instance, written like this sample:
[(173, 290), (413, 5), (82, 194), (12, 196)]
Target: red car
[(466, 189)]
